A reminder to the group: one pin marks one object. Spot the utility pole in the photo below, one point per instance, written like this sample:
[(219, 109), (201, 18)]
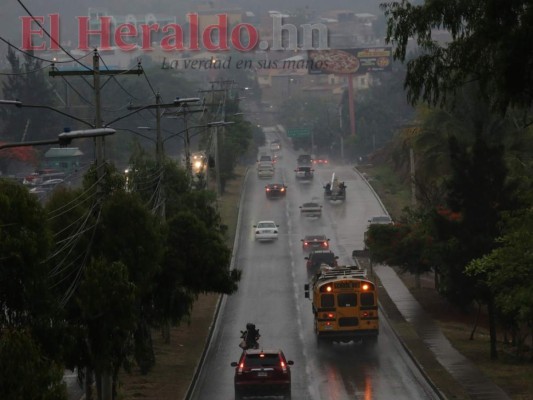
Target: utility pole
[(104, 386), (160, 154), (99, 142), (96, 73)]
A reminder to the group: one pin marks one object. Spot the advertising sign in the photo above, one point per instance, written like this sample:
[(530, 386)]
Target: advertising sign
[(350, 61)]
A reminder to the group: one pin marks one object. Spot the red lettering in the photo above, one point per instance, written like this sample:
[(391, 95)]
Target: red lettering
[(103, 33), (28, 32), (236, 37), (222, 29), (147, 37), (193, 31), (172, 42), (125, 30), (54, 31)]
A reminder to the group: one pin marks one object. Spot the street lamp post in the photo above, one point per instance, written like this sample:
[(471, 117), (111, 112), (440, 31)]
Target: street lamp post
[(64, 138)]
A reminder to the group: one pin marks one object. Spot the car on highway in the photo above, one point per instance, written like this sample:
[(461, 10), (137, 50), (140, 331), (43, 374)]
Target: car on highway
[(318, 257), (321, 161), (304, 173), (304, 159), (275, 145), (264, 372), (266, 158), (311, 209), (315, 242), (265, 170), (275, 190), (266, 230)]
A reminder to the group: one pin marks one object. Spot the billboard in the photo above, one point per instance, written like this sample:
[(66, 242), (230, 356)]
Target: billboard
[(350, 61)]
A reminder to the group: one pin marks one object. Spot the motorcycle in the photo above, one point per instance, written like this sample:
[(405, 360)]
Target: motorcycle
[(249, 337)]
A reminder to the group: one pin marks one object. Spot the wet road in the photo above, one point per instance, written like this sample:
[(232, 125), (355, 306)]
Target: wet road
[(271, 295)]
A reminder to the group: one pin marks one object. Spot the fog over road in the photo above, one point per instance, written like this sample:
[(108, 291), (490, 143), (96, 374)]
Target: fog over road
[(271, 296)]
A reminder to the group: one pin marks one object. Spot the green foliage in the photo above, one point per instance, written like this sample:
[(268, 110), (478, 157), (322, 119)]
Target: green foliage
[(108, 309), (26, 373), (508, 272), (407, 245), (490, 43), (130, 234), (234, 141), (24, 243), (30, 85)]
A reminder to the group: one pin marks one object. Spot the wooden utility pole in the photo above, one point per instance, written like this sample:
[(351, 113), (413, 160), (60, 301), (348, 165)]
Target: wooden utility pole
[(96, 73), (104, 382)]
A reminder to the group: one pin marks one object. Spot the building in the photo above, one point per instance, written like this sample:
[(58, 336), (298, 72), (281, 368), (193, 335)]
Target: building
[(65, 159)]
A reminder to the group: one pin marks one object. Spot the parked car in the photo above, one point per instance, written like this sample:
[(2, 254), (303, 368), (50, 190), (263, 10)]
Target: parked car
[(262, 373)]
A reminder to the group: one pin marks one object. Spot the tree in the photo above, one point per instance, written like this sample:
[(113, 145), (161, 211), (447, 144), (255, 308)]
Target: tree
[(508, 274), (490, 44), (108, 308), (25, 370), (196, 261), (29, 85), (24, 245), (407, 245), (29, 311)]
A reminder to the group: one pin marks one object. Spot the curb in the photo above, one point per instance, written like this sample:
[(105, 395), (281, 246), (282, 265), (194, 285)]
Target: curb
[(220, 303)]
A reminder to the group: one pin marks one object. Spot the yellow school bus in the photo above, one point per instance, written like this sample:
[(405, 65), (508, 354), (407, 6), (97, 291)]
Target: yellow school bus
[(345, 305)]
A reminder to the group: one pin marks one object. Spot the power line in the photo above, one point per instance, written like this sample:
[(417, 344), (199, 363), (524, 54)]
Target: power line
[(50, 36), (24, 73), (40, 58)]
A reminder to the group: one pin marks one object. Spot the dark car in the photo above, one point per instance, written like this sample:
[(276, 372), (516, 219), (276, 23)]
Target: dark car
[(304, 159), (273, 190), (315, 242), (318, 257), (262, 373)]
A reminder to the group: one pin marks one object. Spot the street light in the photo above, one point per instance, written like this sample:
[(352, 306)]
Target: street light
[(64, 138), (213, 124)]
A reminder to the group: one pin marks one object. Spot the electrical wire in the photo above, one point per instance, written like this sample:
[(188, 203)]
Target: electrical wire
[(40, 58), (23, 73), (76, 91), (50, 36), (148, 81), (52, 214), (72, 289)]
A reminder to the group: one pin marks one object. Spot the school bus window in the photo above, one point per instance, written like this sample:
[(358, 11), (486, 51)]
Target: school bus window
[(346, 299), (367, 299), (327, 300)]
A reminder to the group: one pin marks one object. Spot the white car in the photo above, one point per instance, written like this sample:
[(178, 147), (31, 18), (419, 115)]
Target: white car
[(266, 230)]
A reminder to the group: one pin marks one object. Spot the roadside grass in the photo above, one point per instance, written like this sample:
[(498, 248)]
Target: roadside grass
[(514, 376), (176, 362), (395, 194)]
